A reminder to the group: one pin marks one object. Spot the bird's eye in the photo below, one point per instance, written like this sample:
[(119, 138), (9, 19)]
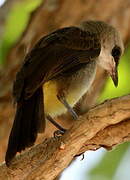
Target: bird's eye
[(116, 53)]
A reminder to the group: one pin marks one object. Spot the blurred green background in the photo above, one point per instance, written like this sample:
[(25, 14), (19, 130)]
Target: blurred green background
[(110, 162)]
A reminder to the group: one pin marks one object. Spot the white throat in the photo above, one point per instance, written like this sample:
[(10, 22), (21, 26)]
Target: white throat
[(105, 59)]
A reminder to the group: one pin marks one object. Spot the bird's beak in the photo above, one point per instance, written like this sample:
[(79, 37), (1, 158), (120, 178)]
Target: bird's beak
[(114, 75)]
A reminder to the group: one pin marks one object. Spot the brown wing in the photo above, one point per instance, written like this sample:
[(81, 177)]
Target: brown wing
[(52, 55)]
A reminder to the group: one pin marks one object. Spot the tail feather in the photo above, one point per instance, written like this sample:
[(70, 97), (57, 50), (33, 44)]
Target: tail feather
[(29, 120)]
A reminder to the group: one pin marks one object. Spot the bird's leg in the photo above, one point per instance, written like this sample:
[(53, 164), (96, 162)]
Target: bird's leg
[(62, 99), (61, 130)]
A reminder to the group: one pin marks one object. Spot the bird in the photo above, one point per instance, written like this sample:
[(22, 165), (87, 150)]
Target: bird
[(56, 73)]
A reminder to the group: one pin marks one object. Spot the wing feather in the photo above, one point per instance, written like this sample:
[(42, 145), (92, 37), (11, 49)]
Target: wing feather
[(52, 55)]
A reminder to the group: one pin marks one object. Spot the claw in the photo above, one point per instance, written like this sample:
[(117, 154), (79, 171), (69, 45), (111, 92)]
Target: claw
[(59, 133)]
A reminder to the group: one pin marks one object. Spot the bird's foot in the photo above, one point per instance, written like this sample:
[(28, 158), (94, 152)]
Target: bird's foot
[(59, 133), (61, 130)]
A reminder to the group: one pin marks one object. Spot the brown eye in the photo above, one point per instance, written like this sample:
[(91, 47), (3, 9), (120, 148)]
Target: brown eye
[(116, 53)]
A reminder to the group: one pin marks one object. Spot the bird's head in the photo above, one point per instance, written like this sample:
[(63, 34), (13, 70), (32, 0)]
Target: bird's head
[(111, 50), (111, 46)]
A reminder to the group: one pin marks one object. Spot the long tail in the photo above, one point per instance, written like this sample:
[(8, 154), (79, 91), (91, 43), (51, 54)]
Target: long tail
[(29, 120)]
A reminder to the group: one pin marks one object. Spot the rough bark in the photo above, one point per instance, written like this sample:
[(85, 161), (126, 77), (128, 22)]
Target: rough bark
[(50, 15), (105, 125)]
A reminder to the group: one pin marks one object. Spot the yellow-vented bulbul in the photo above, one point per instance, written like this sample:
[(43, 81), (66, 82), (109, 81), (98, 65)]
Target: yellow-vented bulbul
[(56, 73)]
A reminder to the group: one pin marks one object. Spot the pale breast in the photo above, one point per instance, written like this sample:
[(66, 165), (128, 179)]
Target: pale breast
[(80, 82)]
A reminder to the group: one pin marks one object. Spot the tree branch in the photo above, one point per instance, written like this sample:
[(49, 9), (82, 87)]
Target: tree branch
[(105, 125), (54, 14), (48, 156), (109, 137)]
